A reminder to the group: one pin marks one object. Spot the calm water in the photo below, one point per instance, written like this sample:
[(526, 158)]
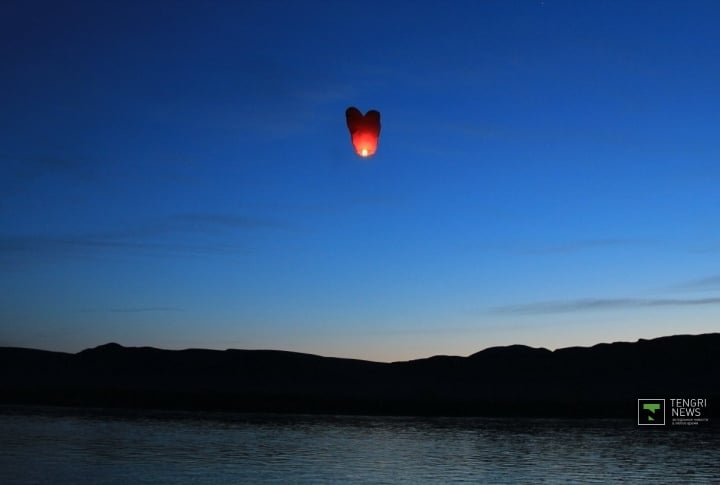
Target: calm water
[(45, 446)]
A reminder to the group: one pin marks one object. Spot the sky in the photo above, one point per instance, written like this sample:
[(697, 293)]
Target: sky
[(179, 174)]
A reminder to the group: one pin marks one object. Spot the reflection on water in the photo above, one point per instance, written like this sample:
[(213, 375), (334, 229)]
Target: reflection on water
[(57, 447)]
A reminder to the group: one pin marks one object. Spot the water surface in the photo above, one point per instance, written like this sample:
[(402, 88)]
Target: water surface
[(63, 446)]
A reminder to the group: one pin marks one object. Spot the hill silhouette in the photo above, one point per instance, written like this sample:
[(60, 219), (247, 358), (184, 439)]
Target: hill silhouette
[(603, 380)]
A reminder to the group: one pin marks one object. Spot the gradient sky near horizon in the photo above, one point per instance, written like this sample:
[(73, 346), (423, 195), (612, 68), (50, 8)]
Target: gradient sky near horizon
[(179, 174)]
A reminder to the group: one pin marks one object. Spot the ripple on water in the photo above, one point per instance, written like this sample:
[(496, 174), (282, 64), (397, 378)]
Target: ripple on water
[(159, 448)]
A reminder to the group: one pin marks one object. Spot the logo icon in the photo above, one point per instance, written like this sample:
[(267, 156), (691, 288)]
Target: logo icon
[(651, 412)]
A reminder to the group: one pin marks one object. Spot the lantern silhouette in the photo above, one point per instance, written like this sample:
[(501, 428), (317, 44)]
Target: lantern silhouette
[(364, 130)]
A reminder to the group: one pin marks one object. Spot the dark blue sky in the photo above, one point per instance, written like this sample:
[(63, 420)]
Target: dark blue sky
[(179, 174)]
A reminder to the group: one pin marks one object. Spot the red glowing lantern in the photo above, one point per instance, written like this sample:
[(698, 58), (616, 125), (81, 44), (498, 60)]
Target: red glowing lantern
[(364, 130)]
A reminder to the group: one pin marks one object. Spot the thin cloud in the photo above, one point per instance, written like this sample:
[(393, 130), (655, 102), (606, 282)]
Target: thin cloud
[(581, 245), (136, 309), (707, 283), (25, 168), (17, 174), (189, 233), (187, 224), (592, 304), (706, 247), (221, 220), (559, 249), (63, 245), (24, 163)]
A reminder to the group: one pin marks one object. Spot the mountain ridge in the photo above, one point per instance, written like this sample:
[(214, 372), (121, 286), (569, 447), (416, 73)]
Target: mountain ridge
[(605, 379)]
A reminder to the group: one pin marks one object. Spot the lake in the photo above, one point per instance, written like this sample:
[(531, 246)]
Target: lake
[(46, 445)]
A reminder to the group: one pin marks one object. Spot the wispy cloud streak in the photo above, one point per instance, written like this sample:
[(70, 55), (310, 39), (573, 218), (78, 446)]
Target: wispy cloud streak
[(193, 233), (707, 283), (19, 170), (63, 245), (582, 245), (591, 304), (135, 310)]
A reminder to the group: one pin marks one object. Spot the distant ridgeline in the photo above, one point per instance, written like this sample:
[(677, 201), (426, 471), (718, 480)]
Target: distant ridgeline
[(605, 380)]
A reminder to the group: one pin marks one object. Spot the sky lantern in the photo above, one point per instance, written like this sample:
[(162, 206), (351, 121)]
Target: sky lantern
[(364, 130)]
